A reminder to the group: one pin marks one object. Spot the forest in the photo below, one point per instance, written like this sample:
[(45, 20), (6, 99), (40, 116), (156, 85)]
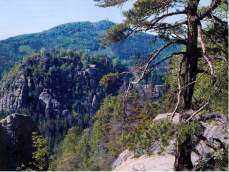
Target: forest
[(147, 94)]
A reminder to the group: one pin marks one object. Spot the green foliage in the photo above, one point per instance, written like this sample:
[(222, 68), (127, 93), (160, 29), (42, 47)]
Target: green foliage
[(82, 36), (97, 149), (143, 9), (40, 155), (216, 160), (109, 79), (220, 158), (71, 140), (74, 152), (109, 3), (116, 33), (9, 77), (142, 138), (217, 94), (25, 49), (83, 150), (188, 130), (204, 91)]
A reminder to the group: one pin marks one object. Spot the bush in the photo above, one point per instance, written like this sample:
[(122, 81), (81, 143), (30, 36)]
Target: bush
[(40, 155), (142, 138), (109, 79)]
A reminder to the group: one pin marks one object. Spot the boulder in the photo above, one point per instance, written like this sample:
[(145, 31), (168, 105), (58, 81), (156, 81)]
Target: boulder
[(215, 138), (124, 156), (16, 138), (147, 163), (165, 116)]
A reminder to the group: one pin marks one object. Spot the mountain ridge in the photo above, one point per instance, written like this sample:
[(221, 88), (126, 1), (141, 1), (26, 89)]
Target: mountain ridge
[(78, 36)]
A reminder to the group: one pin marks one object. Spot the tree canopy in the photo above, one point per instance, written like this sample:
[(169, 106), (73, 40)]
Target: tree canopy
[(201, 30)]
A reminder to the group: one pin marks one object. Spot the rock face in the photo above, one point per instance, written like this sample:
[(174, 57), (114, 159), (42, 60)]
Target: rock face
[(214, 137), (148, 163), (56, 92), (16, 141)]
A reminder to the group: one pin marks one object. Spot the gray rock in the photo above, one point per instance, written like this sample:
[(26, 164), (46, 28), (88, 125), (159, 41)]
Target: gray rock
[(146, 163), (124, 156), (17, 135), (50, 93), (213, 133), (165, 116)]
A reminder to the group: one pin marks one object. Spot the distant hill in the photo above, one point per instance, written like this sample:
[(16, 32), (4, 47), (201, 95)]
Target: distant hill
[(81, 36)]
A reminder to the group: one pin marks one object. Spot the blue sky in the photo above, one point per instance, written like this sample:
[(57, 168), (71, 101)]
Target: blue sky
[(29, 16)]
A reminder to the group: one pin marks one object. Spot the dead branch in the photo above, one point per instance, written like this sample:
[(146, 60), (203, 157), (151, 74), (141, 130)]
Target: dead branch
[(206, 57), (164, 59), (178, 97), (199, 110), (179, 89), (151, 58)]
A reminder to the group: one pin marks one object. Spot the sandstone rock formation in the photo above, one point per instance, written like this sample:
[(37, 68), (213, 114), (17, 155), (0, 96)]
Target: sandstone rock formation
[(56, 92), (16, 138), (214, 138)]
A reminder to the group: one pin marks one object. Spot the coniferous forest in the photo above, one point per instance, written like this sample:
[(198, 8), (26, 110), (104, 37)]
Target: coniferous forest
[(149, 93)]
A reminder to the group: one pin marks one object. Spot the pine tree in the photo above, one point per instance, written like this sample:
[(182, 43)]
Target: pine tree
[(186, 28), (177, 22)]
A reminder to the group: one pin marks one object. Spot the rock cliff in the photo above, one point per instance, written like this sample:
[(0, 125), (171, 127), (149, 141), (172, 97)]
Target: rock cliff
[(57, 92), (16, 141)]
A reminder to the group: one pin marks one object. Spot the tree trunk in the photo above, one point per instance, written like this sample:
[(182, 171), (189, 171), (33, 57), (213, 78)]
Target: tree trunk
[(183, 155), (191, 58)]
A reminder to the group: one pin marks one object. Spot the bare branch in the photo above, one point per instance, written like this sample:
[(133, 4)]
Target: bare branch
[(178, 96), (166, 58), (199, 110), (179, 89), (206, 57), (151, 58)]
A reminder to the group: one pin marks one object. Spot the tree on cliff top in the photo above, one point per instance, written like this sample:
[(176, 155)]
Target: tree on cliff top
[(184, 22), (177, 22)]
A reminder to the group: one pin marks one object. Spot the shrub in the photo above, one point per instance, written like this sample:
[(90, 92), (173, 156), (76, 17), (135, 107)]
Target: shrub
[(40, 155), (109, 79), (142, 138)]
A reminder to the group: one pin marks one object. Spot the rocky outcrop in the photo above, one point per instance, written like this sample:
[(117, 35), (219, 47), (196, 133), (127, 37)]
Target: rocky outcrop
[(16, 141), (56, 92), (213, 139), (148, 163)]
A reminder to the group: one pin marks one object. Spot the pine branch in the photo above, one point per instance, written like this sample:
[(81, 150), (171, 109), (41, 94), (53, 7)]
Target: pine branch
[(210, 9), (109, 3), (156, 20)]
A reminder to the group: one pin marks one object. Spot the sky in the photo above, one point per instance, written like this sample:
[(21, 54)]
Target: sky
[(30, 16)]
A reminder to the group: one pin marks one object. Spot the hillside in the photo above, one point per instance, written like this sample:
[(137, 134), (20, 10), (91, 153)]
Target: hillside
[(80, 36), (56, 91)]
